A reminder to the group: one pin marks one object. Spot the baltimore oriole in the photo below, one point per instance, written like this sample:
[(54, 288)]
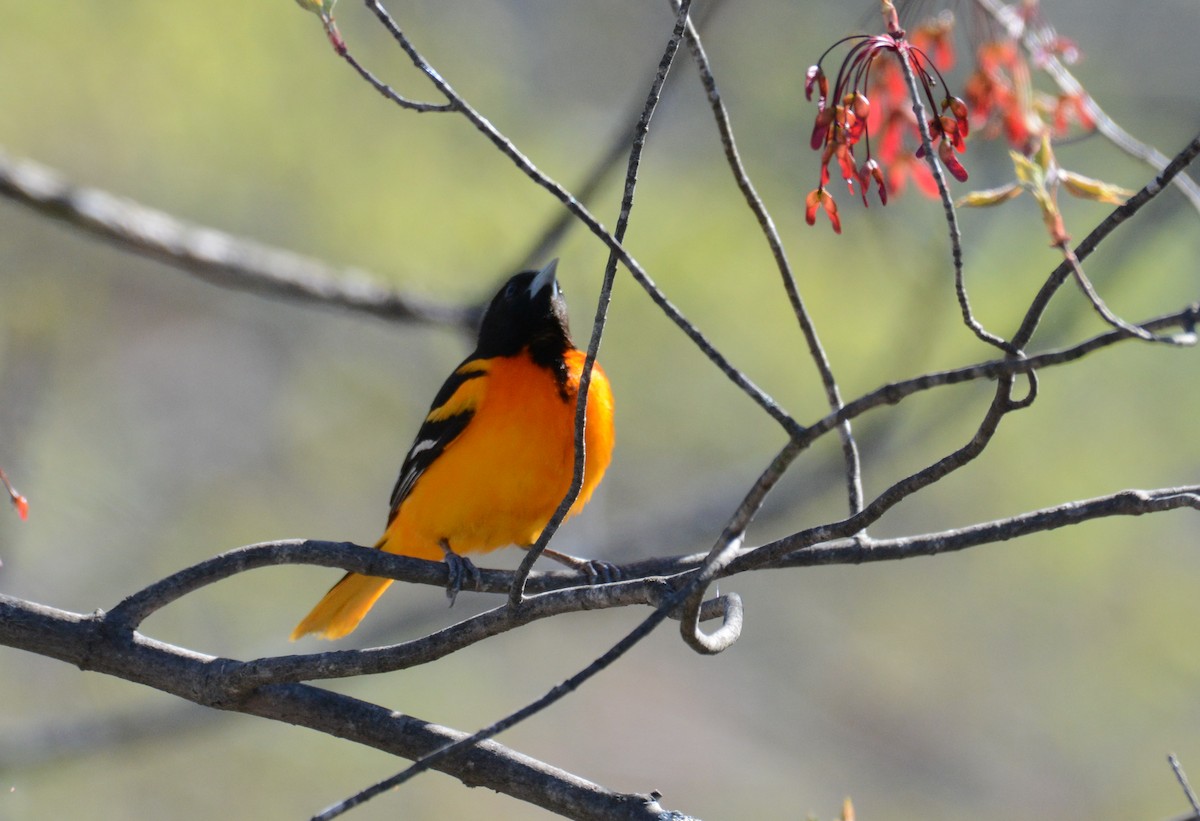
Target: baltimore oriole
[(495, 454)]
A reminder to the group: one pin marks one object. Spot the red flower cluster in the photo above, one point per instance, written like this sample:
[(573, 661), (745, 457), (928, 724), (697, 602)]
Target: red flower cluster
[(999, 91), (871, 95), (1001, 95)]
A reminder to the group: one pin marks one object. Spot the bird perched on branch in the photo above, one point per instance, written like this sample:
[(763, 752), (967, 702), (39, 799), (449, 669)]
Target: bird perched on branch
[(495, 455)]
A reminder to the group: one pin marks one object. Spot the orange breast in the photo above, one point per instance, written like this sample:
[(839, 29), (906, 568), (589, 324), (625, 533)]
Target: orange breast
[(500, 481)]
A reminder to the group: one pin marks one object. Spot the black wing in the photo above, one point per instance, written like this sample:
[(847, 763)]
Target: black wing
[(448, 416)]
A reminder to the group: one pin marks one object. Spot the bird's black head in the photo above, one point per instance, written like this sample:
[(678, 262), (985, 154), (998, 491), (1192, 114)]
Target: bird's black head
[(528, 311)]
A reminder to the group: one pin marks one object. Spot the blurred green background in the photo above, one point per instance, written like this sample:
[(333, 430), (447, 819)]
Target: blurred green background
[(154, 420)]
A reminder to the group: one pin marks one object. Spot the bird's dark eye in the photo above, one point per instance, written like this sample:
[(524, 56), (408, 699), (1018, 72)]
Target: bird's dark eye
[(510, 290)]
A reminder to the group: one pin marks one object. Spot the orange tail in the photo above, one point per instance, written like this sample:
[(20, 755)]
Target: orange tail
[(343, 607)]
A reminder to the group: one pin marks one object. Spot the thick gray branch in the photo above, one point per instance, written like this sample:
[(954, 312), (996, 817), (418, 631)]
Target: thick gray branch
[(212, 255), (91, 643)]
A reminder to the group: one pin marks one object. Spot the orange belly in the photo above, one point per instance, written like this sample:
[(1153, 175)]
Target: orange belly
[(501, 480)]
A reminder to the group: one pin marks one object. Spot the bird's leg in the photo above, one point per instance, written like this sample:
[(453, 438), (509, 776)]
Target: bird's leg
[(458, 567), (598, 572)]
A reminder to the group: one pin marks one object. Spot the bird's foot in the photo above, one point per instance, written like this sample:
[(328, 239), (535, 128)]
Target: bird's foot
[(598, 572), (459, 570)]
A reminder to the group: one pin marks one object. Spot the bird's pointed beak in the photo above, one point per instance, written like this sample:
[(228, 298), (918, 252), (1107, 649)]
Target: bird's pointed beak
[(544, 278)]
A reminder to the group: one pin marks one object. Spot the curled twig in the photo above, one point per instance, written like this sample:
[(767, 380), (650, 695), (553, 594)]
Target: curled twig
[(702, 576), (727, 546)]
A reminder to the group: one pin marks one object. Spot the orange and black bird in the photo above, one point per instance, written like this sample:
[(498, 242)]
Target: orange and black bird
[(495, 454)]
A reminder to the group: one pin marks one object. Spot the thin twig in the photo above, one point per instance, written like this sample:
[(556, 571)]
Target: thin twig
[(1105, 312), (386, 90), (1131, 206), (641, 131), (956, 254), (854, 489), (508, 149), (652, 592), (1181, 777), (893, 392), (617, 149)]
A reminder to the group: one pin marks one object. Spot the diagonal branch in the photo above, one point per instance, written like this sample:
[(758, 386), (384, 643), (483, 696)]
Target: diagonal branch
[(1182, 778), (1037, 308), (955, 233), (641, 131), (854, 489), (212, 255), (556, 229), (1002, 404), (1101, 307), (526, 166)]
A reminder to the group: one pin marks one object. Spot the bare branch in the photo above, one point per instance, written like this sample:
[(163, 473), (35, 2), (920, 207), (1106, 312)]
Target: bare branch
[(559, 592), (895, 392), (213, 255), (641, 131), (508, 149), (93, 643), (703, 575), (960, 286), (1131, 206), (828, 544), (854, 490), (1106, 313), (655, 592), (134, 609), (1002, 404), (1181, 777)]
